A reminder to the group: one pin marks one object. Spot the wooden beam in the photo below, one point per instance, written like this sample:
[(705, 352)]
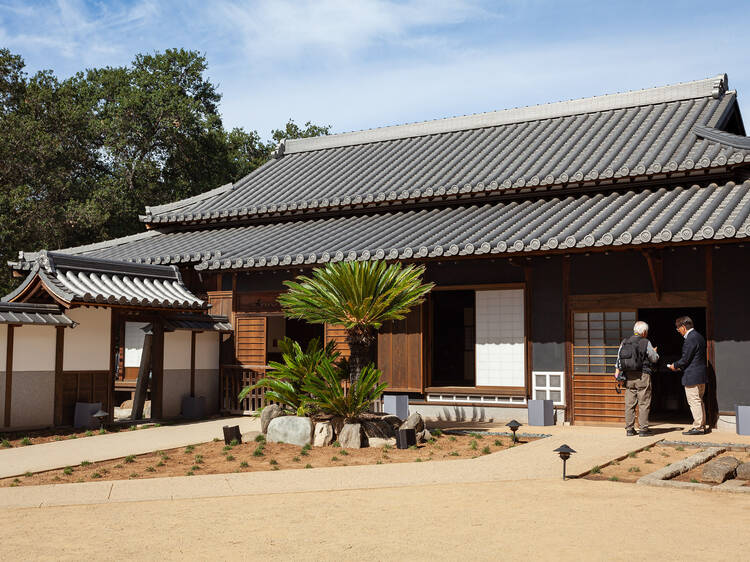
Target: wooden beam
[(8, 375), (59, 354), (192, 364), (656, 269)]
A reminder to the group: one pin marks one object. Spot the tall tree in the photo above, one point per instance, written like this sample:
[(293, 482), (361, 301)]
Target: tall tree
[(81, 157)]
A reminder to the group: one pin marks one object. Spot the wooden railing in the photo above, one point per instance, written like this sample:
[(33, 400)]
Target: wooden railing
[(236, 377)]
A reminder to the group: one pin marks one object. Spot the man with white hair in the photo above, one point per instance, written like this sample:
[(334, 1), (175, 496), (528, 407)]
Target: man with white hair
[(636, 359)]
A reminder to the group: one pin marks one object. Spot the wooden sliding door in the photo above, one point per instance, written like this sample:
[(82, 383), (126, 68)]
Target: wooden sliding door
[(596, 339)]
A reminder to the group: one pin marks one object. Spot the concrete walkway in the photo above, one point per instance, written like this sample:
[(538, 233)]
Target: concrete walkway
[(59, 454), (536, 460)]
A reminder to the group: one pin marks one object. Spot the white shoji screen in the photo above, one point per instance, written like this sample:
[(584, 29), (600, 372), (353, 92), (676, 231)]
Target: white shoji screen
[(500, 357)]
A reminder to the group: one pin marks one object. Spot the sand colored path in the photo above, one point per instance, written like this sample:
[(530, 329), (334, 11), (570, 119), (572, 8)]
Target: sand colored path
[(529, 520)]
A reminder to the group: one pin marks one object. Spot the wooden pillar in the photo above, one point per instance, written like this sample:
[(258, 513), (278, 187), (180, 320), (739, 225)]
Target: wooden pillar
[(59, 351), (8, 375), (568, 339), (528, 279), (192, 364), (157, 370)]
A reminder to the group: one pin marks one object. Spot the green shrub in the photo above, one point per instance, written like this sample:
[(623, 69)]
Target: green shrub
[(260, 438), (486, 451), (273, 462), (85, 463), (234, 442), (130, 459), (336, 444), (258, 452), (437, 432), (190, 448), (327, 395), (308, 466), (150, 469), (5, 444), (452, 438), (284, 381), (596, 470), (102, 431), (344, 452), (614, 478), (244, 464), (195, 467), (296, 459), (134, 475), (96, 475), (454, 453), (198, 459), (335, 458), (498, 443), (473, 445), (417, 460), (160, 463), (89, 433), (28, 474), (230, 458), (25, 441)]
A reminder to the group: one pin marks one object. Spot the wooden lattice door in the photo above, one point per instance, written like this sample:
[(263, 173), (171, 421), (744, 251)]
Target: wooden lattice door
[(596, 339)]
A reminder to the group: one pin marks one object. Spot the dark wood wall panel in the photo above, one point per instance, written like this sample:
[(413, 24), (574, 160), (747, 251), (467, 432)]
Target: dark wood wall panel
[(80, 386), (400, 353)]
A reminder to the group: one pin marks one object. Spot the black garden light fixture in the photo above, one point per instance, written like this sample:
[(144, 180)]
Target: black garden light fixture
[(513, 425), (564, 451), (100, 416)]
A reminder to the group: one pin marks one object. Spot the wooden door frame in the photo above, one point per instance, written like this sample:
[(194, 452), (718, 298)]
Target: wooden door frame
[(615, 302)]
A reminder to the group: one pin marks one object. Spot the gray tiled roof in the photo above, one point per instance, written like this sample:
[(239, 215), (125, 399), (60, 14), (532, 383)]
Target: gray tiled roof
[(597, 140), (33, 314), (565, 221), (198, 323), (84, 279)]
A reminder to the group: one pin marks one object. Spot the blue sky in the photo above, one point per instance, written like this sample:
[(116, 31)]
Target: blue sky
[(361, 64)]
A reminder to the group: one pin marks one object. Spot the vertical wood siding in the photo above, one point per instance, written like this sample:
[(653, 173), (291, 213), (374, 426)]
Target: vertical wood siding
[(337, 334), (400, 353), (250, 340)]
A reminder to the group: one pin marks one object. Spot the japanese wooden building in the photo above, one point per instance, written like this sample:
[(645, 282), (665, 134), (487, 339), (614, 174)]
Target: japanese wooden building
[(548, 231)]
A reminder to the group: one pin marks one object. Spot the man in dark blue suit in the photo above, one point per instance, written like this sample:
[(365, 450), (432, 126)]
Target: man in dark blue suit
[(694, 372)]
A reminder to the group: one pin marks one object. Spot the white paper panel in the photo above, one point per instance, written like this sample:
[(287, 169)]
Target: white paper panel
[(134, 343), (500, 350)]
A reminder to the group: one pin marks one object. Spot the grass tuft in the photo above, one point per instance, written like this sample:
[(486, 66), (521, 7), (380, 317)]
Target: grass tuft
[(335, 458), (150, 469), (634, 469), (680, 448), (258, 452), (454, 454), (85, 463), (614, 478), (260, 438), (596, 470), (296, 459), (473, 445), (498, 443), (6, 444), (25, 441), (486, 451), (344, 452), (308, 465), (130, 459), (96, 475), (452, 438), (244, 464), (234, 442), (437, 432), (230, 458), (273, 462), (89, 433), (190, 448), (418, 459), (27, 474), (632, 454)]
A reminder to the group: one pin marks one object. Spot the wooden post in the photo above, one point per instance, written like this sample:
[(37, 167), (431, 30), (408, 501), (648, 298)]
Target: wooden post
[(568, 339), (8, 375), (192, 364), (141, 384), (59, 351), (157, 370)]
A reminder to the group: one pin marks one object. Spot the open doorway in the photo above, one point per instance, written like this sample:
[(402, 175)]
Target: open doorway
[(453, 355), (668, 402), (279, 327)]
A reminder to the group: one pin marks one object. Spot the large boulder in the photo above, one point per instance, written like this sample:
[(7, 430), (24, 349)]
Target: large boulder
[(394, 421), (269, 412), (295, 430), (743, 471), (323, 435), (414, 422), (378, 428), (719, 469), (352, 436)]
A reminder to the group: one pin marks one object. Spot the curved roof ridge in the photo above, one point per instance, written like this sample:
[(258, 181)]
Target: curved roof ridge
[(708, 87)]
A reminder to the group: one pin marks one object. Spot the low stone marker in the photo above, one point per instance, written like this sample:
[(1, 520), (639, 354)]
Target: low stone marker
[(295, 430), (719, 469)]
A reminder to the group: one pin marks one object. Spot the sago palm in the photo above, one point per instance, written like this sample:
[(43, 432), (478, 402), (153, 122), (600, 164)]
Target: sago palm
[(360, 296)]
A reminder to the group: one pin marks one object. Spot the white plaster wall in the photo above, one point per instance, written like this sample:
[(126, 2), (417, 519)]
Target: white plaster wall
[(207, 384), (177, 350), (2, 397), (134, 336), (176, 386), (87, 345), (33, 349), (207, 350), (33, 399)]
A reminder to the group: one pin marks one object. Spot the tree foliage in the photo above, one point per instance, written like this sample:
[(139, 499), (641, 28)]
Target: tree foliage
[(361, 296), (82, 156)]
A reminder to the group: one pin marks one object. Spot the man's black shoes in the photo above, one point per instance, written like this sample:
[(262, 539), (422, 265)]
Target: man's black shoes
[(630, 432), (694, 431), (645, 433)]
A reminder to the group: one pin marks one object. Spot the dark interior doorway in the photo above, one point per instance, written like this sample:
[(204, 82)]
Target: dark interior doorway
[(668, 402), (453, 354)]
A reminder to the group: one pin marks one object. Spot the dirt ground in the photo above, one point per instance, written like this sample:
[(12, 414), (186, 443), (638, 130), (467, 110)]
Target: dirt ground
[(695, 474), (27, 438), (216, 458), (528, 520), (631, 468)]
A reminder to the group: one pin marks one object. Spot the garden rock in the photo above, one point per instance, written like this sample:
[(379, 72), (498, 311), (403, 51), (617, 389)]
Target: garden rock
[(414, 422), (394, 421), (269, 412), (351, 436), (378, 428), (290, 429), (719, 469), (743, 471), (380, 443), (424, 436), (323, 434)]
